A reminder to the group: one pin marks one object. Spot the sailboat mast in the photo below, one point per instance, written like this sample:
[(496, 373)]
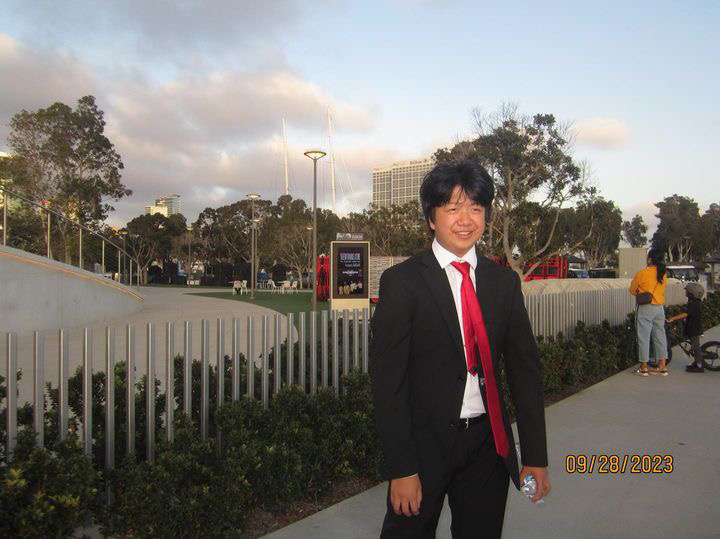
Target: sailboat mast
[(285, 147), (332, 158)]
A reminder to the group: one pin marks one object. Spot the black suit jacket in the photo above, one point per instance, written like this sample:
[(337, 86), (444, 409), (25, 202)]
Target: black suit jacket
[(418, 366)]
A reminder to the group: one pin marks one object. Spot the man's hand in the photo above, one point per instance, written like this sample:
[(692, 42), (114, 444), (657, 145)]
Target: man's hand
[(406, 495), (541, 478)]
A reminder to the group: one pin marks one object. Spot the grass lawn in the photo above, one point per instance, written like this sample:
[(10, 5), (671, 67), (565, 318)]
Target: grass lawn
[(282, 303)]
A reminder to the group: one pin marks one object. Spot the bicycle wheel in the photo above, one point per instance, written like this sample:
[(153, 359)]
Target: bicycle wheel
[(711, 355)]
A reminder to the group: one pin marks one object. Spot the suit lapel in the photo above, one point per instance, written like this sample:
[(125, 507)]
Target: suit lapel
[(437, 281)]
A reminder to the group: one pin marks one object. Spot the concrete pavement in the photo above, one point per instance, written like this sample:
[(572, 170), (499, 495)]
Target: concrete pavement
[(674, 418)]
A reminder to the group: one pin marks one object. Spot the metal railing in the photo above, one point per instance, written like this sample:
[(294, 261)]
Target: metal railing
[(551, 314), (260, 349), (111, 255), (266, 369)]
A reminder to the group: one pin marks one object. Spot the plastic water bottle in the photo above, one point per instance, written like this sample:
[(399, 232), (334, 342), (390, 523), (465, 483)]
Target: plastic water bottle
[(529, 488), (528, 485)]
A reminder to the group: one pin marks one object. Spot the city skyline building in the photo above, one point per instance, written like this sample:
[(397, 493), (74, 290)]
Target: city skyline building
[(399, 182), (153, 209), (166, 205)]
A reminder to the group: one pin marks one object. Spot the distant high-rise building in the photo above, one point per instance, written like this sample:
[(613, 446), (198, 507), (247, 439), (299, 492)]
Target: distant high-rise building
[(152, 210), (399, 182), (166, 205)]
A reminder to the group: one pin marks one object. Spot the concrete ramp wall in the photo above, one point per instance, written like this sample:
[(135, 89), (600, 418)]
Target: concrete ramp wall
[(40, 294)]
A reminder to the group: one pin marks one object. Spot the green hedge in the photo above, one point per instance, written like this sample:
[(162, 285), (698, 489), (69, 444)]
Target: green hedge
[(254, 457), (266, 458), (46, 493)]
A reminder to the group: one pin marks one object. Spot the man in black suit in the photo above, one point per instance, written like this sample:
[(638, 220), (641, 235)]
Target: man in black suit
[(444, 320)]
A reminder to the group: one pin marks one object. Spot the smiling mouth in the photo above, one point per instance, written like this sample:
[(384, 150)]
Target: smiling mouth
[(464, 234)]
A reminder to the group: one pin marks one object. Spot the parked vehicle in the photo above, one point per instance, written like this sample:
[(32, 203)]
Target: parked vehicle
[(602, 273), (577, 273), (684, 273)]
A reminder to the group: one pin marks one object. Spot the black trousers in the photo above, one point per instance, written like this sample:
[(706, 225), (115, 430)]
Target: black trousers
[(476, 484)]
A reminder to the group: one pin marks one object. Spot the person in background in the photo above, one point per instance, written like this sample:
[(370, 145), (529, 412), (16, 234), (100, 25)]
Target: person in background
[(650, 317), (693, 324)]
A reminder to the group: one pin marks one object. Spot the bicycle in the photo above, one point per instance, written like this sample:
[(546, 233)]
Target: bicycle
[(710, 349)]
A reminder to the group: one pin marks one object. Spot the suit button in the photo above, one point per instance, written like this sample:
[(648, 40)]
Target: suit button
[(460, 378), (482, 381)]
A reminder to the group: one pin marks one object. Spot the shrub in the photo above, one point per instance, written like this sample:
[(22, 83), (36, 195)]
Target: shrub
[(46, 493), (186, 492)]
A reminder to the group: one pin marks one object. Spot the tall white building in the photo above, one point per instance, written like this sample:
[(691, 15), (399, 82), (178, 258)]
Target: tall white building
[(152, 210), (166, 205), (400, 181)]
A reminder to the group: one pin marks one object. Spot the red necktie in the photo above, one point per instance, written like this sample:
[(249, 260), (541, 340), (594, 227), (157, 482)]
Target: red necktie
[(475, 333)]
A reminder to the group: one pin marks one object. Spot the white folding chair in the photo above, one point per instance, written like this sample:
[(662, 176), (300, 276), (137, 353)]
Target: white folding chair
[(237, 287), (285, 287), (271, 285), (294, 287)]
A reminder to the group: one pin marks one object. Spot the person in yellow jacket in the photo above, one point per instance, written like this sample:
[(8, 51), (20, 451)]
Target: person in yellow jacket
[(650, 317)]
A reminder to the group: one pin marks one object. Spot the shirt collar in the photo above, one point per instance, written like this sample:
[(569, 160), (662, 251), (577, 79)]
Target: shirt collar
[(445, 257)]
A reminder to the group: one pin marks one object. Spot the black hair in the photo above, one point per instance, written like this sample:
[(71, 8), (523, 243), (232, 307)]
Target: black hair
[(657, 257), (439, 183)]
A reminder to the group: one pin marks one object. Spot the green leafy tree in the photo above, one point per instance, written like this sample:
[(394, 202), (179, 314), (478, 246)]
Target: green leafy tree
[(284, 235), (606, 218), (150, 238), (397, 230), (679, 228), (634, 232), (224, 232), (531, 163), (62, 157), (710, 229)]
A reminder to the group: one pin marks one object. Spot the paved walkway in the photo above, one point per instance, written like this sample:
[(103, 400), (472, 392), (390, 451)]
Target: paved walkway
[(676, 416)]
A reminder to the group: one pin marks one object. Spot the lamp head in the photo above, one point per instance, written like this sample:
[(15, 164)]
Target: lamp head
[(315, 154)]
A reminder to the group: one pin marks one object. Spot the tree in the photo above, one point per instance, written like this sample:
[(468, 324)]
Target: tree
[(710, 229), (150, 238), (294, 248), (284, 237), (397, 230), (634, 232), (535, 176), (606, 219), (62, 157), (224, 232), (679, 227)]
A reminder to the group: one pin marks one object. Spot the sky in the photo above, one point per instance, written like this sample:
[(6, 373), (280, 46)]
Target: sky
[(195, 92)]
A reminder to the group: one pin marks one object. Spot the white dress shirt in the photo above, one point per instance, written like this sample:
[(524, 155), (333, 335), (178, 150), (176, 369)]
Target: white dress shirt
[(472, 405)]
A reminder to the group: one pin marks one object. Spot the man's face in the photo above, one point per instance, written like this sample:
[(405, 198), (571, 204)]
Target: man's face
[(458, 224)]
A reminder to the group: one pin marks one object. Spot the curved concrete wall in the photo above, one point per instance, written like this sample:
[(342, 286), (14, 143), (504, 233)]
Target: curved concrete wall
[(39, 294)]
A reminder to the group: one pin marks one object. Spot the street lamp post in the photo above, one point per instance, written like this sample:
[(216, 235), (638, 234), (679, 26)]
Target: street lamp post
[(315, 155), (188, 270), (309, 228), (252, 197)]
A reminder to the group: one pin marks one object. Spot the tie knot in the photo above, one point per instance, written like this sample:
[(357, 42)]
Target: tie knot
[(462, 267)]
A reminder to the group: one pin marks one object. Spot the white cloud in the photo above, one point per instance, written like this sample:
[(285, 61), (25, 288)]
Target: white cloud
[(604, 133), (32, 80), (212, 137)]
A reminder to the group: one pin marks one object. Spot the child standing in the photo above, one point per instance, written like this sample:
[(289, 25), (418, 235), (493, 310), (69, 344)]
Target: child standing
[(693, 324)]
